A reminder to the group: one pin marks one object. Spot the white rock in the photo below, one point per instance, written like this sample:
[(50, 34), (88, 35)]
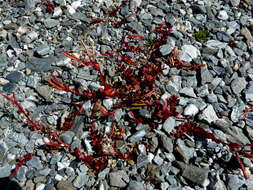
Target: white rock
[(40, 187), (58, 177), (223, 15), (108, 103), (191, 110), (71, 10), (189, 52), (76, 4), (209, 114), (57, 12)]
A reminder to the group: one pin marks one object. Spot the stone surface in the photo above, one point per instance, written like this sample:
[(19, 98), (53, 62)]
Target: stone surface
[(118, 179), (197, 175)]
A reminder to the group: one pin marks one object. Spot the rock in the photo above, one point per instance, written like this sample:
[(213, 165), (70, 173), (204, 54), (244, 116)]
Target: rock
[(246, 33), (21, 173), (197, 175), (167, 143), (34, 163), (67, 137), (209, 114), (41, 64), (135, 185), (234, 182), (65, 185), (206, 76), (158, 160), (189, 52), (186, 91), (3, 60), (51, 23), (5, 171), (215, 44), (80, 180), (44, 91), (235, 3), (29, 185), (137, 136), (9, 87), (223, 15), (142, 160), (167, 48), (43, 50), (118, 179), (191, 110), (30, 37), (185, 152), (3, 147), (14, 76), (238, 85), (169, 125)]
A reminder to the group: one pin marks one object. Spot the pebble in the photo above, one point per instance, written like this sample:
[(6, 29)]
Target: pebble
[(135, 185), (137, 136), (169, 125), (189, 52), (238, 85)]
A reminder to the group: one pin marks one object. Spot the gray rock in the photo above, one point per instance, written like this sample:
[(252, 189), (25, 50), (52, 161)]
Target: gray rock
[(3, 147), (223, 15), (50, 23), (186, 91), (43, 50), (167, 48), (21, 173), (169, 125), (9, 87), (209, 114), (80, 180), (235, 3), (167, 143), (3, 60), (246, 33), (118, 179), (158, 160), (14, 76), (67, 137), (238, 85), (142, 160), (137, 136), (175, 84), (5, 171), (215, 44), (185, 152), (191, 110), (197, 175), (103, 173), (234, 182), (44, 91), (44, 172), (206, 76), (34, 163), (30, 37), (41, 64), (19, 138), (65, 185), (189, 52), (135, 185)]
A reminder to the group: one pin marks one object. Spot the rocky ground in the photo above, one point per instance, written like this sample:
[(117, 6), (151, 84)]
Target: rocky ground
[(202, 51)]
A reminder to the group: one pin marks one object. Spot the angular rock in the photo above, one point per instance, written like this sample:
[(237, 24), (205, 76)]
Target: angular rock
[(209, 114), (196, 175), (14, 76), (191, 110), (169, 125), (118, 179), (135, 185), (238, 85), (189, 52)]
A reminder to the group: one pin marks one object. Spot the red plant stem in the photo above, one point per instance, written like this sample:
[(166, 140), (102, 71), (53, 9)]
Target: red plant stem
[(21, 162)]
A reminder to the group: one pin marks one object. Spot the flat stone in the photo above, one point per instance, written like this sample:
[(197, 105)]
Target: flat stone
[(246, 33), (30, 37), (167, 48), (215, 44), (223, 15), (197, 175), (67, 137), (167, 143), (41, 64), (235, 3), (185, 152), (3, 60), (9, 87), (118, 179), (14, 76)]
